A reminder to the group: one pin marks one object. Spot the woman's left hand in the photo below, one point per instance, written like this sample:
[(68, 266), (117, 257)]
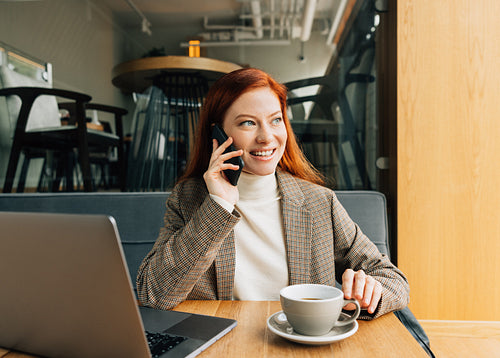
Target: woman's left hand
[(362, 287)]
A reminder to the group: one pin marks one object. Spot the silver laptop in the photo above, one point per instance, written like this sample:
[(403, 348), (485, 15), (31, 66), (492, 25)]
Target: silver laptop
[(65, 291)]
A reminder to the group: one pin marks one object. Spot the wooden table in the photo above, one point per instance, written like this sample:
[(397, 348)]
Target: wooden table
[(137, 75), (383, 337)]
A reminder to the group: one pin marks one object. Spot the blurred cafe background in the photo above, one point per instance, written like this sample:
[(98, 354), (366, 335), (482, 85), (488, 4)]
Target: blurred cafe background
[(397, 96), (325, 51)]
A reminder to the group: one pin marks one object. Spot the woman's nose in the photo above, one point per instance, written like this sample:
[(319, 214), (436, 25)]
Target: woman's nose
[(264, 135)]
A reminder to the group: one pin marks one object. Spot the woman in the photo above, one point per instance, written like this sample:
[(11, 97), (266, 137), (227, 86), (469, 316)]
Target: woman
[(277, 227)]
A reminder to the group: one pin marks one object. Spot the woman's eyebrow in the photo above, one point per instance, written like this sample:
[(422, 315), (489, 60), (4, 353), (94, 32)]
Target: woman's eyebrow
[(254, 116), (275, 113), (244, 115)]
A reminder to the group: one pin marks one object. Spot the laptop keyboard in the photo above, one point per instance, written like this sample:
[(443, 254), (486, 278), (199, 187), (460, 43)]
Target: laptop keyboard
[(160, 343)]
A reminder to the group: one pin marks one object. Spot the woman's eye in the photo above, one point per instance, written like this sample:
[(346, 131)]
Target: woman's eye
[(277, 120), (246, 123)]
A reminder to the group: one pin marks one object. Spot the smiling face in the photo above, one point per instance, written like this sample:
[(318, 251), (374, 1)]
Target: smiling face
[(255, 122)]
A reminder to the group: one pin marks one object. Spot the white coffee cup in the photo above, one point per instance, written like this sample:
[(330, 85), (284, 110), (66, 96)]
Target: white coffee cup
[(313, 309)]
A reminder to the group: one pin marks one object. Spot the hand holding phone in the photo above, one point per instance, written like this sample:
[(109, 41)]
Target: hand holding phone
[(232, 175)]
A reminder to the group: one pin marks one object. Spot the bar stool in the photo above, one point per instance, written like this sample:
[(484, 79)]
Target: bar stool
[(163, 130)]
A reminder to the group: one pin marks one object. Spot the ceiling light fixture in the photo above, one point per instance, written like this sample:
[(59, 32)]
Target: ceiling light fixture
[(194, 48)]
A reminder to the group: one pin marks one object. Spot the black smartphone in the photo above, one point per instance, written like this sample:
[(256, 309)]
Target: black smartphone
[(232, 175)]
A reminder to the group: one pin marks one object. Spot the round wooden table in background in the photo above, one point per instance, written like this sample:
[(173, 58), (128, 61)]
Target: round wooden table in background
[(137, 75)]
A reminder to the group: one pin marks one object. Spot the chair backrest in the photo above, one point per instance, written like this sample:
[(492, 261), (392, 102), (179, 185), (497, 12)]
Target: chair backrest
[(368, 209), (20, 70), (16, 70), (139, 216)]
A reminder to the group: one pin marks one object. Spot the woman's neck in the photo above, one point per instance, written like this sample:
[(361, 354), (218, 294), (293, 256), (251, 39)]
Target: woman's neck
[(255, 187)]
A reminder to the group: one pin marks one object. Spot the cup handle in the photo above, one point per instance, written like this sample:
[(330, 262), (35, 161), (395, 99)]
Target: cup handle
[(353, 317)]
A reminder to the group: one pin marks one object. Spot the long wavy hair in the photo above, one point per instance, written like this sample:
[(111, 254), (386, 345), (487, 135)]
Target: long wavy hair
[(219, 98)]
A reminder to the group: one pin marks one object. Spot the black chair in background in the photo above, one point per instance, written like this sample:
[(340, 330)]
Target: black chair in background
[(60, 140), (334, 132), (31, 127), (101, 155)]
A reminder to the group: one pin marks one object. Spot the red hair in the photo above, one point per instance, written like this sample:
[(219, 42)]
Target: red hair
[(219, 98)]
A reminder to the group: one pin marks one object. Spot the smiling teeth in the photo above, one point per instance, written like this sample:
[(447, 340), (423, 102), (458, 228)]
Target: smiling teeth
[(263, 153)]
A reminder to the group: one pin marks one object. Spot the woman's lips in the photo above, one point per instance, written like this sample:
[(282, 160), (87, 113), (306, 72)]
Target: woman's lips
[(263, 154)]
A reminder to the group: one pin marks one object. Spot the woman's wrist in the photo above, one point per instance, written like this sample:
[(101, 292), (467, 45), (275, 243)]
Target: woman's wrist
[(222, 202)]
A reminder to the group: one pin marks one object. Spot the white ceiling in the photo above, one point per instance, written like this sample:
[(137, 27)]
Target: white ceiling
[(161, 13), (173, 6)]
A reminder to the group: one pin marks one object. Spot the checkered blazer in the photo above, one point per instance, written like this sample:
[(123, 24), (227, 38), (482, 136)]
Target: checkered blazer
[(194, 255)]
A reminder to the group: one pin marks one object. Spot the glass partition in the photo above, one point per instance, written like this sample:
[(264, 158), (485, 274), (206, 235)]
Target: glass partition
[(337, 125)]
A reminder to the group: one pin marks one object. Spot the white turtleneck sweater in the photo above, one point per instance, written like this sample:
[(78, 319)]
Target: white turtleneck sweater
[(261, 266)]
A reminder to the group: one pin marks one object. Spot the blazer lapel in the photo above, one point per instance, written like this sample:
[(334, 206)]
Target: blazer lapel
[(297, 226)]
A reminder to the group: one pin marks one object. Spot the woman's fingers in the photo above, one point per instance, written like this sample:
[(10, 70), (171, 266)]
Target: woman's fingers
[(215, 179), (220, 158), (377, 295), (347, 282), (220, 148), (366, 296), (362, 287), (359, 285)]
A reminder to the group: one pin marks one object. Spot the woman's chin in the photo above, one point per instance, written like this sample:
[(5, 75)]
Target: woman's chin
[(259, 171)]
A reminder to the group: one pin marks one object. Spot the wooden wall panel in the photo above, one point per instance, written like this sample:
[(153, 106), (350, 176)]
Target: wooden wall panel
[(448, 156)]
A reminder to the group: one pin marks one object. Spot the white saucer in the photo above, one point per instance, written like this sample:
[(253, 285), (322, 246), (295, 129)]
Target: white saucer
[(278, 324)]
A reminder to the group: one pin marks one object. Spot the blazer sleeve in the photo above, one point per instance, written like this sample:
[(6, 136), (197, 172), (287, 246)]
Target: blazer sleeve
[(195, 228), (356, 251)]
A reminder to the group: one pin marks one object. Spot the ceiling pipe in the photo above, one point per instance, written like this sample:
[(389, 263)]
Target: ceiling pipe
[(246, 28), (257, 18), (273, 20), (289, 17), (241, 43), (282, 27), (146, 25), (254, 32), (308, 19), (282, 17)]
